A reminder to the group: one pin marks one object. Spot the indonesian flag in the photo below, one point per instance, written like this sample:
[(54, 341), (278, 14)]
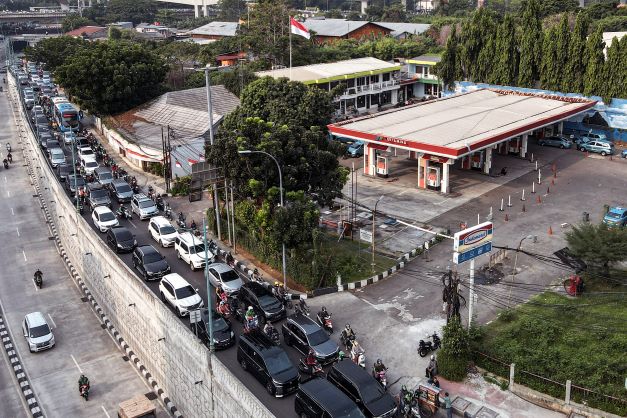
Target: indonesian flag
[(177, 163), (298, 28), (190, 161)]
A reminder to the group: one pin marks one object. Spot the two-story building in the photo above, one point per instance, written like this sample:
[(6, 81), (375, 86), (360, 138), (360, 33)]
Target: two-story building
[(421, 80), (371, 84)]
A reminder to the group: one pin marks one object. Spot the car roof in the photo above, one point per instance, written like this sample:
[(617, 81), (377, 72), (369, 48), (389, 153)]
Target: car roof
[(307, 324), (260, 341), (190, 238), (160, 221), (175, 280), (141, 196), (257, 289), (322, 390), (353, 372), (102, 170), (117, 230), (35, 319), (220, 267), (119, 182), (618, 209), (102, 209), (147, 249)]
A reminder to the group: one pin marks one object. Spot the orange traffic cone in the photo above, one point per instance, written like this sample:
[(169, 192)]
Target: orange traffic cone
[(539, 200), (550, 231), (555, 174), (506, 218), (552, 182)]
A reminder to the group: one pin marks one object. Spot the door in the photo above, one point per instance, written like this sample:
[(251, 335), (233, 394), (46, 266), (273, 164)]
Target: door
[(301, 341)]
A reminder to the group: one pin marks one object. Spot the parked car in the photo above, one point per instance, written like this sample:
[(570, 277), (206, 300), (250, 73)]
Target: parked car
[(555, 141), (616, 216), (178, 293), (37, 332), (150, 263), (121, 240), (594, 136), (221, 274), (320, 398), (363, 389), (97, 195), (356, 149), (624, 153), (304, 333), (599, 147), (268, 363), (143, 206), (191, 250), (262, 300), (56, 157), (162, 231), (121, 190), (223, 335), (104, 218)]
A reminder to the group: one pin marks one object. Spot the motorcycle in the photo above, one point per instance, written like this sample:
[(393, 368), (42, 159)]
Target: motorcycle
[(124, 213), (273, 334), (167, 212), (6, 163), (159, 202), (84, 390), (151, 193), (8, 147), (181, 221), (10, 158), (224, 309), (347, 341), (302, 307), (325, 322), (380, 377), (38, 279), (359, 359), (425, 347), (313, 370), (251, 324)]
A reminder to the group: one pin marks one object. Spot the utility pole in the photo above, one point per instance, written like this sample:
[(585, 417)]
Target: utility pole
[(216, 198), (209, 298)]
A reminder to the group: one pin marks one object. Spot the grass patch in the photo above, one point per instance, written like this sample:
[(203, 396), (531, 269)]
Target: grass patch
[(580, 339)]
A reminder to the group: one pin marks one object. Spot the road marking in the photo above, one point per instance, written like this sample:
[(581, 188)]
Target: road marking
[(24, 254), (77, 366), (8, 193), (105, 411), (12, 212), (5, 179), (52, 320), (134, 226), (35, 284)]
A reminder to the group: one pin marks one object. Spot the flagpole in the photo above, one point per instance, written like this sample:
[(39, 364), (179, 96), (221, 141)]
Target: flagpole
[(290, 27)]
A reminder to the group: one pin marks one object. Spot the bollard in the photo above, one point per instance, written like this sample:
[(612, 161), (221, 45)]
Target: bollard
[(533, 188), (539, 176), (509, 201), (536, 165), (523, 195), (501, 209)]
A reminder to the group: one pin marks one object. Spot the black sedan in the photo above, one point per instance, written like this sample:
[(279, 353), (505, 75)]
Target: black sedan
[(150, 263), (223, 335), (121, 240)]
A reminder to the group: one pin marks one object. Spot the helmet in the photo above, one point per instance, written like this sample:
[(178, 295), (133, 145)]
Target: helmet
[(277, 284), (311, 351), (404, 388), (250, 308), (324, 309), (348, 327), (432, 357), (379, 361), (341, 355)]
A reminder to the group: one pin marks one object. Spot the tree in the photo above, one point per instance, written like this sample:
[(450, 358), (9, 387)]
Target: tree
[(474, 36), (576, 66), (455, 353), (135, 11), (74, 21), (231, 10), (598, 244), (506, 61), (595, 61), (447, 69), (549, 66), (113, 76), (53, 52), (530, 47), (553, 7), (455, 7), (614, 73), (562, 48)]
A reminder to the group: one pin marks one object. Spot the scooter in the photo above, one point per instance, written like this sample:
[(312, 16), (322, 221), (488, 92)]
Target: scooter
[(159, 202), (325, 323), (360, 359), (303, 308), (273, 334), (6, 163), (348, 341), (224, 309), (124, 213), (181, 221), (84, 390), (425, 347), (313, 370), (167, 212), (38, 279), (251, 324), (381, 378)]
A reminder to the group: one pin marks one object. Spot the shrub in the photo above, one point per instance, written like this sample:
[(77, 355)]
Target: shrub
[(181, 186), (455, 354)]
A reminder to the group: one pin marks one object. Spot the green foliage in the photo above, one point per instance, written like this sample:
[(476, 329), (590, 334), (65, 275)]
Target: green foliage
[(614, 79), (447, 69), (597, 244), (576, 65), (477, 36), (54, 51), (562, 49), (530, 52), (595, 62), (111, 77), (181, 186), (612, 24), (455, 353), (506, 68), (549, 66), (455, 7), (604, 9), (231, 10), (74, 21), (136, 11), (552, 7), (155, 168)]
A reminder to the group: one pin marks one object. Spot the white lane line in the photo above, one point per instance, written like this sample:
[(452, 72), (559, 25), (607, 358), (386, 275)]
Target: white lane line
[(36, 288), (134, 226), (24, 254), (8, 193), (12, 212), (52, 320), (5, 179), (105, 411), (18, 231), (77, 366)]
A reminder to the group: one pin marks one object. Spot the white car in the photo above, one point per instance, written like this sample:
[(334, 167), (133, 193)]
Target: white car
[(68, 137), (178, 293), (37, 332), (162, 231), (57, 157), (90, 165), (104, 218), (191, 250), (85, 152)]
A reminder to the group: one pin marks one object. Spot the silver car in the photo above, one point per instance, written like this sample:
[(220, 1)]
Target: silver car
[(37, 332), (56, 157), (221, 274)]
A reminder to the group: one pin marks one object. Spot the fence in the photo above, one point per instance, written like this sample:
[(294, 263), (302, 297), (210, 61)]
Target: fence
[(566, 391)]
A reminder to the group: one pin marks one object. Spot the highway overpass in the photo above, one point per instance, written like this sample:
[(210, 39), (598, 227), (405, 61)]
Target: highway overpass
[(201, 7), (33, 17)]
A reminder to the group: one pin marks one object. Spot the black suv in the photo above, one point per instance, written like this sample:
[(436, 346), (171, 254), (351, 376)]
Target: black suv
[(223, 335), (304, 333), (121, 240), (262, 300), (318, 398), (64, 170), (363, 389), (268, 363), (150, 263), (121, 190)]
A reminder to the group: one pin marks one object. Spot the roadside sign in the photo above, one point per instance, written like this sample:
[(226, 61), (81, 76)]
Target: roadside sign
[(472, 237), (459, 258), (194, 316), (365, 235)]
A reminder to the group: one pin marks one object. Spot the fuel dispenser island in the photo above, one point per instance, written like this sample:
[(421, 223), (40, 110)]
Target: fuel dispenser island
[(382, 166), (434, 179)]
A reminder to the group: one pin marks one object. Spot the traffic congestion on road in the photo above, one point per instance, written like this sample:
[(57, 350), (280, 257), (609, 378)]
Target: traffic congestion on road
[(250, 315)]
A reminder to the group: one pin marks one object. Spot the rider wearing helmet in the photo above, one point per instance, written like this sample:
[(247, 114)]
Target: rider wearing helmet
[(379, 366), (348, 333), (432, 369), (323, 314), (311, 358), (83, 380)]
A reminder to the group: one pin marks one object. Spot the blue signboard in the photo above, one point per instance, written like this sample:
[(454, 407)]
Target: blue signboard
[(459, 258)]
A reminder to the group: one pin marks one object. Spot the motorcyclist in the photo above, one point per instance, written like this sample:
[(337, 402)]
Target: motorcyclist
[(229, 259), (83, 380), (347, 335), (250, 317), (323, 314), (6, 163), (356, 350), (405, 397), (379, 366), (432, 369), (193, 225), (10, 157), (219, 294), (38, 277), (311, 361)]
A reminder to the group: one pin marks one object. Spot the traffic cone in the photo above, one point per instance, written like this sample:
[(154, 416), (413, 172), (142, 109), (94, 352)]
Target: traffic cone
[(550, 231), (555, 174), (552, 183), (548, 190), (506, 218), (524, 209), (539, 199)]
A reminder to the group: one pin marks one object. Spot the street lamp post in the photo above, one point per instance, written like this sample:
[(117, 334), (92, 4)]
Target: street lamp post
[(281, 198), (374, 212)]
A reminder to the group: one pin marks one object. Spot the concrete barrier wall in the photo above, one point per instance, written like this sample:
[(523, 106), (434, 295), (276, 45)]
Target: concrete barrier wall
[(168, 349)]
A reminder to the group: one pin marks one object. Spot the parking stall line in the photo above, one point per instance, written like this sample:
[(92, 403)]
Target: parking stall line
[(77, 366), (134, 226), (18, 231), (24, 254), (105, 411), (52, 320)]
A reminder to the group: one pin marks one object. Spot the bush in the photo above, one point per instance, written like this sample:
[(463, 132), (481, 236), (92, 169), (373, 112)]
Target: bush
[(181, 186), (455, 354)]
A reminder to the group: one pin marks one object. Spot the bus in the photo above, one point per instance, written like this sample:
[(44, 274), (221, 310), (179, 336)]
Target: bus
[(66, 117)]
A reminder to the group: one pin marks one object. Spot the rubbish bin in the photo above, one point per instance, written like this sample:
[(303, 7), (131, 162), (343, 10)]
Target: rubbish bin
[(586, 217)]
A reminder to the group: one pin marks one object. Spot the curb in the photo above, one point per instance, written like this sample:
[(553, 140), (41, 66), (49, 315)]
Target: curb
[(103, 317)]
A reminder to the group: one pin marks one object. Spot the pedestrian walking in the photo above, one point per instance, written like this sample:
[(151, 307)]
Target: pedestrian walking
[(448, 406)]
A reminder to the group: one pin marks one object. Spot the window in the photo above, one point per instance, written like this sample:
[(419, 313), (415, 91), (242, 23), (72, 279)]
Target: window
[(374, 79), (361, 101), (386, 76), (385, 97), (374, 99), (361, 81), (350, 82)]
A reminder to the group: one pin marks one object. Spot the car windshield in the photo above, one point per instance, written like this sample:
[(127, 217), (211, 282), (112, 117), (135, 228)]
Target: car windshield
[(57, 153), (146, 203), (167, 230), (77, 181), (185, 292), (152, 258), (124, 188), (95, 194), (106, 217), (318, 337), (90, 164), (39, 331), (197, 249), (613, 215), (87, 151), (124, 236), (277, 362), (370, 393), (229, 276), (105, 176), (268, 301)]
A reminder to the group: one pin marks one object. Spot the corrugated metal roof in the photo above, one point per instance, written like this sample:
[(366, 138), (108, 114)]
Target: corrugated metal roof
[(400, 28), (460, 121), (333, 69), (426, 58), (334, 27), (216, 29)]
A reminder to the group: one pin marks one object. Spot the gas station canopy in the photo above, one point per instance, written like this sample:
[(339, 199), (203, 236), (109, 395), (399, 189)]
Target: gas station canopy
[(459, 125)]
